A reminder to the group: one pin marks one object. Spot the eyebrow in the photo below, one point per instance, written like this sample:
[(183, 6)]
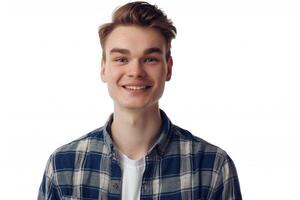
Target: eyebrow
[(153, 50), (119, 50), (126, 51)]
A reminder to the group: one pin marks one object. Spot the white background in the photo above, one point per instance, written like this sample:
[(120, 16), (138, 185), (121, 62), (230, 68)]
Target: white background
[(235, 84)]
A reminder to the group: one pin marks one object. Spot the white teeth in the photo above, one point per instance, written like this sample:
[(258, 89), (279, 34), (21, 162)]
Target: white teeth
[(135, 87)]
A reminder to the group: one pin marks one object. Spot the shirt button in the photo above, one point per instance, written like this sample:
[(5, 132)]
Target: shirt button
[(116, 186)]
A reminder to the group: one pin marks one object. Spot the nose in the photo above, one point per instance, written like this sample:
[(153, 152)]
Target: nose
[(136, 69)]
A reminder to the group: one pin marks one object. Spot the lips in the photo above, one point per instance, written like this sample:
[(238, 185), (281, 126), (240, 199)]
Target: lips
[(136, 87)]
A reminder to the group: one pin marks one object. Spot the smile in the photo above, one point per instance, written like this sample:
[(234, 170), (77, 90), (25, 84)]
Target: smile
[(136, 87), (131, 87)]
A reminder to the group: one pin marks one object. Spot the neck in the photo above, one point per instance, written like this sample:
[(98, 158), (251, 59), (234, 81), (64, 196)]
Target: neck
[(135, 131)]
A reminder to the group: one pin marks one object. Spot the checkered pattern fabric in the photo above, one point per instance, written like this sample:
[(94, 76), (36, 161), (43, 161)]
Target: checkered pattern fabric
[(179, 166)]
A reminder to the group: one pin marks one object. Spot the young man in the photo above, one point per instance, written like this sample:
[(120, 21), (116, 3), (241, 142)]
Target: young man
[(139, 153)]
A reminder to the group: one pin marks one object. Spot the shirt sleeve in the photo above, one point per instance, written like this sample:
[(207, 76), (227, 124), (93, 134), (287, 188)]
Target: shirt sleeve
[(48, 190), (227, 185)]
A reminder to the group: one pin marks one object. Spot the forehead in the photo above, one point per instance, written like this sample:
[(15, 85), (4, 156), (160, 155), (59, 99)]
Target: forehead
[(135, 39)]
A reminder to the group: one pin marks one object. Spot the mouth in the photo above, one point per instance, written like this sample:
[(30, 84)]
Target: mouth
[(136, 88)]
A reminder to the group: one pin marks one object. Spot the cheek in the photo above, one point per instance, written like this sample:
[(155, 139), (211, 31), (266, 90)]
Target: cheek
[(160, 74), (113, 75)]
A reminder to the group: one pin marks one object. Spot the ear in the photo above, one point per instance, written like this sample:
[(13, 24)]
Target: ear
[(103, 71), (169, 68)]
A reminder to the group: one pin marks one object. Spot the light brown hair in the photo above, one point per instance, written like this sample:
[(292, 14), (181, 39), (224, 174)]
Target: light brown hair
[(143, 14)]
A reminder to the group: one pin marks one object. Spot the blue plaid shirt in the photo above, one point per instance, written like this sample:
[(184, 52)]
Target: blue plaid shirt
[(178, 166)]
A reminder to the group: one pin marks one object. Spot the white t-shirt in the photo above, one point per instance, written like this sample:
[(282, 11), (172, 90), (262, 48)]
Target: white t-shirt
[(133, 171)]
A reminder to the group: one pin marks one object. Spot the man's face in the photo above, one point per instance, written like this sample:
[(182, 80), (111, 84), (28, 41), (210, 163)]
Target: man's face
[(135, 68)]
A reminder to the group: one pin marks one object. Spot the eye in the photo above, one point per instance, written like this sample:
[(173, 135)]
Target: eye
[(151, 60), (121, 60)]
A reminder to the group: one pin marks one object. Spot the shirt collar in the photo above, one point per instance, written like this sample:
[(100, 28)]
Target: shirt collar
[(159, 146)]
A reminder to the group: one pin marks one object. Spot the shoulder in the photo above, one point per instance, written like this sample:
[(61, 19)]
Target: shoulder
[(71, 155), (210, 163), (197, 143), (83, 143), (198, 148)]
